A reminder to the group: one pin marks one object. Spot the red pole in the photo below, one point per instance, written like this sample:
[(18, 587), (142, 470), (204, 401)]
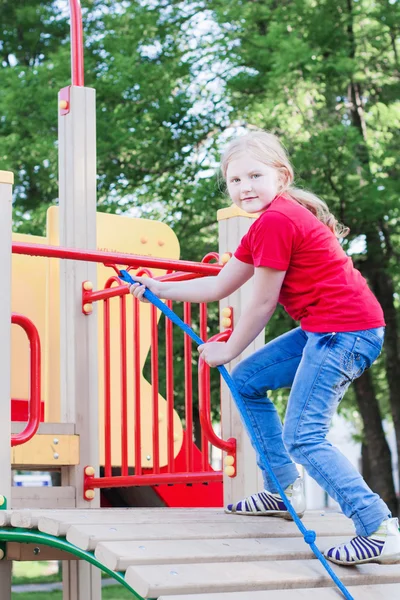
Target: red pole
[(77, 70), (107, 390), (35, 387), (124, 390), (188, 389), (137, 375), (154, 385), (170, 389)]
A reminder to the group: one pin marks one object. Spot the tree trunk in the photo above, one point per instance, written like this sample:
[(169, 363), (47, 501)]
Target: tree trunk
[(378, 474), (376, 267), (382, 285)]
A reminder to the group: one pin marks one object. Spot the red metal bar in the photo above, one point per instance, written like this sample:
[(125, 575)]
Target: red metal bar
[(124, 390), (159, 479), (35, 381), (136, 387), (107, 389), (204, 441), (114, 258), (204, 401), (209, 257), (188, 389), (154, 389), (169, 355), (77, 70)]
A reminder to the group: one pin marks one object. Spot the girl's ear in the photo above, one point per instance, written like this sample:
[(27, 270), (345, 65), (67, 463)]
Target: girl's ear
[(283, 178)]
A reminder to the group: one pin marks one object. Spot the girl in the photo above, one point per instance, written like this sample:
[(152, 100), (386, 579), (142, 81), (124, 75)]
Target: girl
[(293, 253)]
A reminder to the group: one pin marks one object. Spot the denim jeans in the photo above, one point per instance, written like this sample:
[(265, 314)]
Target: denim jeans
[(318, 367)]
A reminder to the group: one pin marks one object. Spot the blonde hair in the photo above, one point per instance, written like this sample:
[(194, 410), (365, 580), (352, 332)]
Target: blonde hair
[(266, 148)]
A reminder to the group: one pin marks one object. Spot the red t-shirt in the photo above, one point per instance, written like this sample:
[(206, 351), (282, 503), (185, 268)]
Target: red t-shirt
[(322, 289)]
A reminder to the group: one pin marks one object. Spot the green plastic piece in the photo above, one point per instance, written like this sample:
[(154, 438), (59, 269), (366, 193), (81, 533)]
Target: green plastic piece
[(3, 505), (29, 537)]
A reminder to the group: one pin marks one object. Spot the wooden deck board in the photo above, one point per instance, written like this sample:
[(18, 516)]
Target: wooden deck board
[(390, 591), (119, 556), (205, 554), (152, 581), (87, 536)]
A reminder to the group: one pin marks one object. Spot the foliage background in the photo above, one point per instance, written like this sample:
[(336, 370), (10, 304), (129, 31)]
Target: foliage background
[(175, 80)]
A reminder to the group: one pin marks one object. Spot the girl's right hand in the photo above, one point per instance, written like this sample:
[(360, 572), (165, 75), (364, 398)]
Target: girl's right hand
[(138, 289)]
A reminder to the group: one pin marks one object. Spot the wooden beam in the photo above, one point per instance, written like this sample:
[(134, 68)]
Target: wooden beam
[(47, 450)]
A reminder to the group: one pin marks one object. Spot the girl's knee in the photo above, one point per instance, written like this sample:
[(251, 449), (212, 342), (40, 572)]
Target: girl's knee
[(239, 375), (289, 440)]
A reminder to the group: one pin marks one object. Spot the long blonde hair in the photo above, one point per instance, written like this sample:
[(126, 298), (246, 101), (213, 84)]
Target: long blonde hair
[(266, 148)]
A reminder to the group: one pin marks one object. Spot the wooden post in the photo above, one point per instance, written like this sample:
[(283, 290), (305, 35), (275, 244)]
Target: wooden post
[(6, 183), (233, 225), (78, 332)]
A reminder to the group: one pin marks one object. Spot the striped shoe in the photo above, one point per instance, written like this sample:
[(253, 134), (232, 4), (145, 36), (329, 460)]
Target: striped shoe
[(265, 504), (383, 547)]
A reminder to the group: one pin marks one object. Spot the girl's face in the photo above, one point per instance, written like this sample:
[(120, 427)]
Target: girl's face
[(252, 185)]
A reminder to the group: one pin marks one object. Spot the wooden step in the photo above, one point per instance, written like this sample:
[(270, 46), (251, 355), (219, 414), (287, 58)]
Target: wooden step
[(119, 556), (152, 581), (390, 591), (58, 521), (58, 524), (87, 536)]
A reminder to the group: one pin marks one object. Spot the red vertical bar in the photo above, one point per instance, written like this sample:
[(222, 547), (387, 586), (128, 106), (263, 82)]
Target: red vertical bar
[(169, 355), (203, 389), (136, 387), (107, 391), (124, 389), (76, 43), (154, 385), (188, 390)]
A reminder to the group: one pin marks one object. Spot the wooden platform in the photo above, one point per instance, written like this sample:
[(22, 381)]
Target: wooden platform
[(204, 554)]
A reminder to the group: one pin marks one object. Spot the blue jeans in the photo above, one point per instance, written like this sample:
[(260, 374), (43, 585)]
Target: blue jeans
[(318, 367)]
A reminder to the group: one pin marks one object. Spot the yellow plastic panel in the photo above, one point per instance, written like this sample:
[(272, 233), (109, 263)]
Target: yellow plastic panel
[(126, 235), (28, 297)]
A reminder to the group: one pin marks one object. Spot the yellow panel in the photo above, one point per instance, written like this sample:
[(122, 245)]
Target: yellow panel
[(28, 297), (6, 177), (41, 450), (126, 235)]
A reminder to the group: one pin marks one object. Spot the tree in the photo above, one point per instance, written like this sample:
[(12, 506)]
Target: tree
[(322, 75)]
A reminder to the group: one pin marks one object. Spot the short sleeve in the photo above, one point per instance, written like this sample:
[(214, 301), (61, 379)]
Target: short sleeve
[(243, 251), (273, 241)]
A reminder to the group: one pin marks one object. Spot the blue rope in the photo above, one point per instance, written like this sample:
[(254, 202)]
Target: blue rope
[(308, 534)]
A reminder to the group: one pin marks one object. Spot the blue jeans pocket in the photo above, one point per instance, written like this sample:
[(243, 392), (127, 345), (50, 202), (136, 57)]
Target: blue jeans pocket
[(367, 346)]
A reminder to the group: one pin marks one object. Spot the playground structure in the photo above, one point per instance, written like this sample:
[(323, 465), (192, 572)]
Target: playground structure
[(102, 425)]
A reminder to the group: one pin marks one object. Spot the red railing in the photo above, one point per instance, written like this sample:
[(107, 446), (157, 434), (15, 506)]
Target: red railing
[(77, 69), (188, 471), (35, 386), (168, 474)]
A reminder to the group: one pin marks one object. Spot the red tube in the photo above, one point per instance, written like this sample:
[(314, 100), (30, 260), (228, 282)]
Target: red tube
[(154, 389), (204, 441), (124, 390), (188, 389), (204, 401), (137, 375), (169, 353), (77, 70), (107, 389), (35, 381), (159, 479), (114, 258)]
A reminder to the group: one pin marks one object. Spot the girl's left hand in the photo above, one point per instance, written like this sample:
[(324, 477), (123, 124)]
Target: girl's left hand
[(215, 353)]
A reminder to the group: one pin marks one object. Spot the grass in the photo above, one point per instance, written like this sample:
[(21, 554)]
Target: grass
[(116, 592), (35, 572), (25, 573)]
